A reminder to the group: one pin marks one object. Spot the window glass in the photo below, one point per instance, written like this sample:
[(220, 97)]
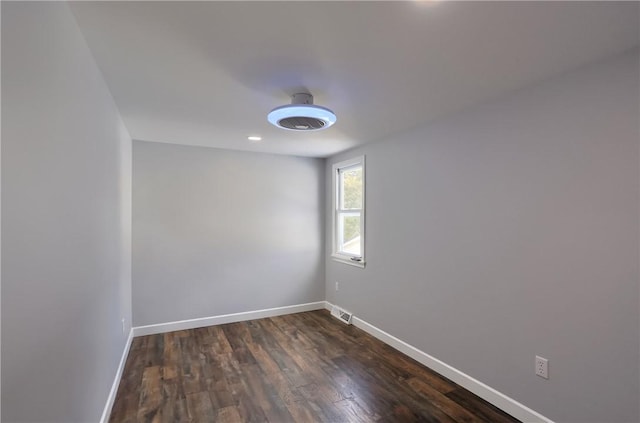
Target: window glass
[(352, 188), (348, 217), (351, 234)]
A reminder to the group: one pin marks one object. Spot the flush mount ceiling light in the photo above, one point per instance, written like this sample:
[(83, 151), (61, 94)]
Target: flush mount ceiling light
[(302, 115)]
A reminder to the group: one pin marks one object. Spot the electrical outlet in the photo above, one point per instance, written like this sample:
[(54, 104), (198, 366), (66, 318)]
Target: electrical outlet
[(337, 286), (542, 367), (123, 326)]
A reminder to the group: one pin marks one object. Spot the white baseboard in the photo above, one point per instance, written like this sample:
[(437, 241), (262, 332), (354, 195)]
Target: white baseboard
[(225, 318), (116, 381), (500, 400)]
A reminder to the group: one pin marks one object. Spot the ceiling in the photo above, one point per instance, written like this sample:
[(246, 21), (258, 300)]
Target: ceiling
[(207, 73)]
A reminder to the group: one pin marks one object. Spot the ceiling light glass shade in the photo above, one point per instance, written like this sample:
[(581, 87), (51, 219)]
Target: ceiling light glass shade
[(302, 117)]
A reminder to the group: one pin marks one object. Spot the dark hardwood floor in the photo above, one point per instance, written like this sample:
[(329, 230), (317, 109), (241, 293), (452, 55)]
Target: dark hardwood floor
[(305, 367)]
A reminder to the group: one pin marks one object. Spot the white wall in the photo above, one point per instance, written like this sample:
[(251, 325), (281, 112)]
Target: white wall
[(218, 232), (511, 230), (66, 221)]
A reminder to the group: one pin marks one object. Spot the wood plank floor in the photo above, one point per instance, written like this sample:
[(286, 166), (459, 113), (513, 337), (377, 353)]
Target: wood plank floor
[(304, 367)]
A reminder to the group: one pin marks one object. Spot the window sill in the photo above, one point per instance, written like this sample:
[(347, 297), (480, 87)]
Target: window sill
[(350, 262)]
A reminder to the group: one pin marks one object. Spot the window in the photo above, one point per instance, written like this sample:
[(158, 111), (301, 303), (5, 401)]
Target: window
[(348, 211)]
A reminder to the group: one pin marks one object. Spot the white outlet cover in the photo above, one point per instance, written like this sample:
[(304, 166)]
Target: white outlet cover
[(542, 367)]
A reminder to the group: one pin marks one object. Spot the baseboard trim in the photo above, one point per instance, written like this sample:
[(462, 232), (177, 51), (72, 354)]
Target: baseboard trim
[(116, 381), (225, 318), (500, 400)]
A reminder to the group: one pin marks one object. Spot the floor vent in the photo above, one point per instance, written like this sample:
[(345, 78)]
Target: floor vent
[(342, 315)]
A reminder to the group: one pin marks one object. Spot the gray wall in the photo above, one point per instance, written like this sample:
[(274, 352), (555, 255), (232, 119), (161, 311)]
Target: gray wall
[(511, 230), (217, 232), (66, 221)]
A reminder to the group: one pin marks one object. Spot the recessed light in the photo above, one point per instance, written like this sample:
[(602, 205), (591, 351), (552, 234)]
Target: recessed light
[(254, 138)]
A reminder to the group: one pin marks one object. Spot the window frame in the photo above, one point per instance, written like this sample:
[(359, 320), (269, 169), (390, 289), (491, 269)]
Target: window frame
[(336, 188)]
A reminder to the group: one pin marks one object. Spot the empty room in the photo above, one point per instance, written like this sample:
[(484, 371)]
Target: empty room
[(320, 211)]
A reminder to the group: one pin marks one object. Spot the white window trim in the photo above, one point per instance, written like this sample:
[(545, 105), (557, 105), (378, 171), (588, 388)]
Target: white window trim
[(342, 257)]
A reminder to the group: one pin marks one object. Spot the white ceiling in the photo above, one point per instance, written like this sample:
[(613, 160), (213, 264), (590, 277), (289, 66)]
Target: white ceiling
[(207, 73)]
